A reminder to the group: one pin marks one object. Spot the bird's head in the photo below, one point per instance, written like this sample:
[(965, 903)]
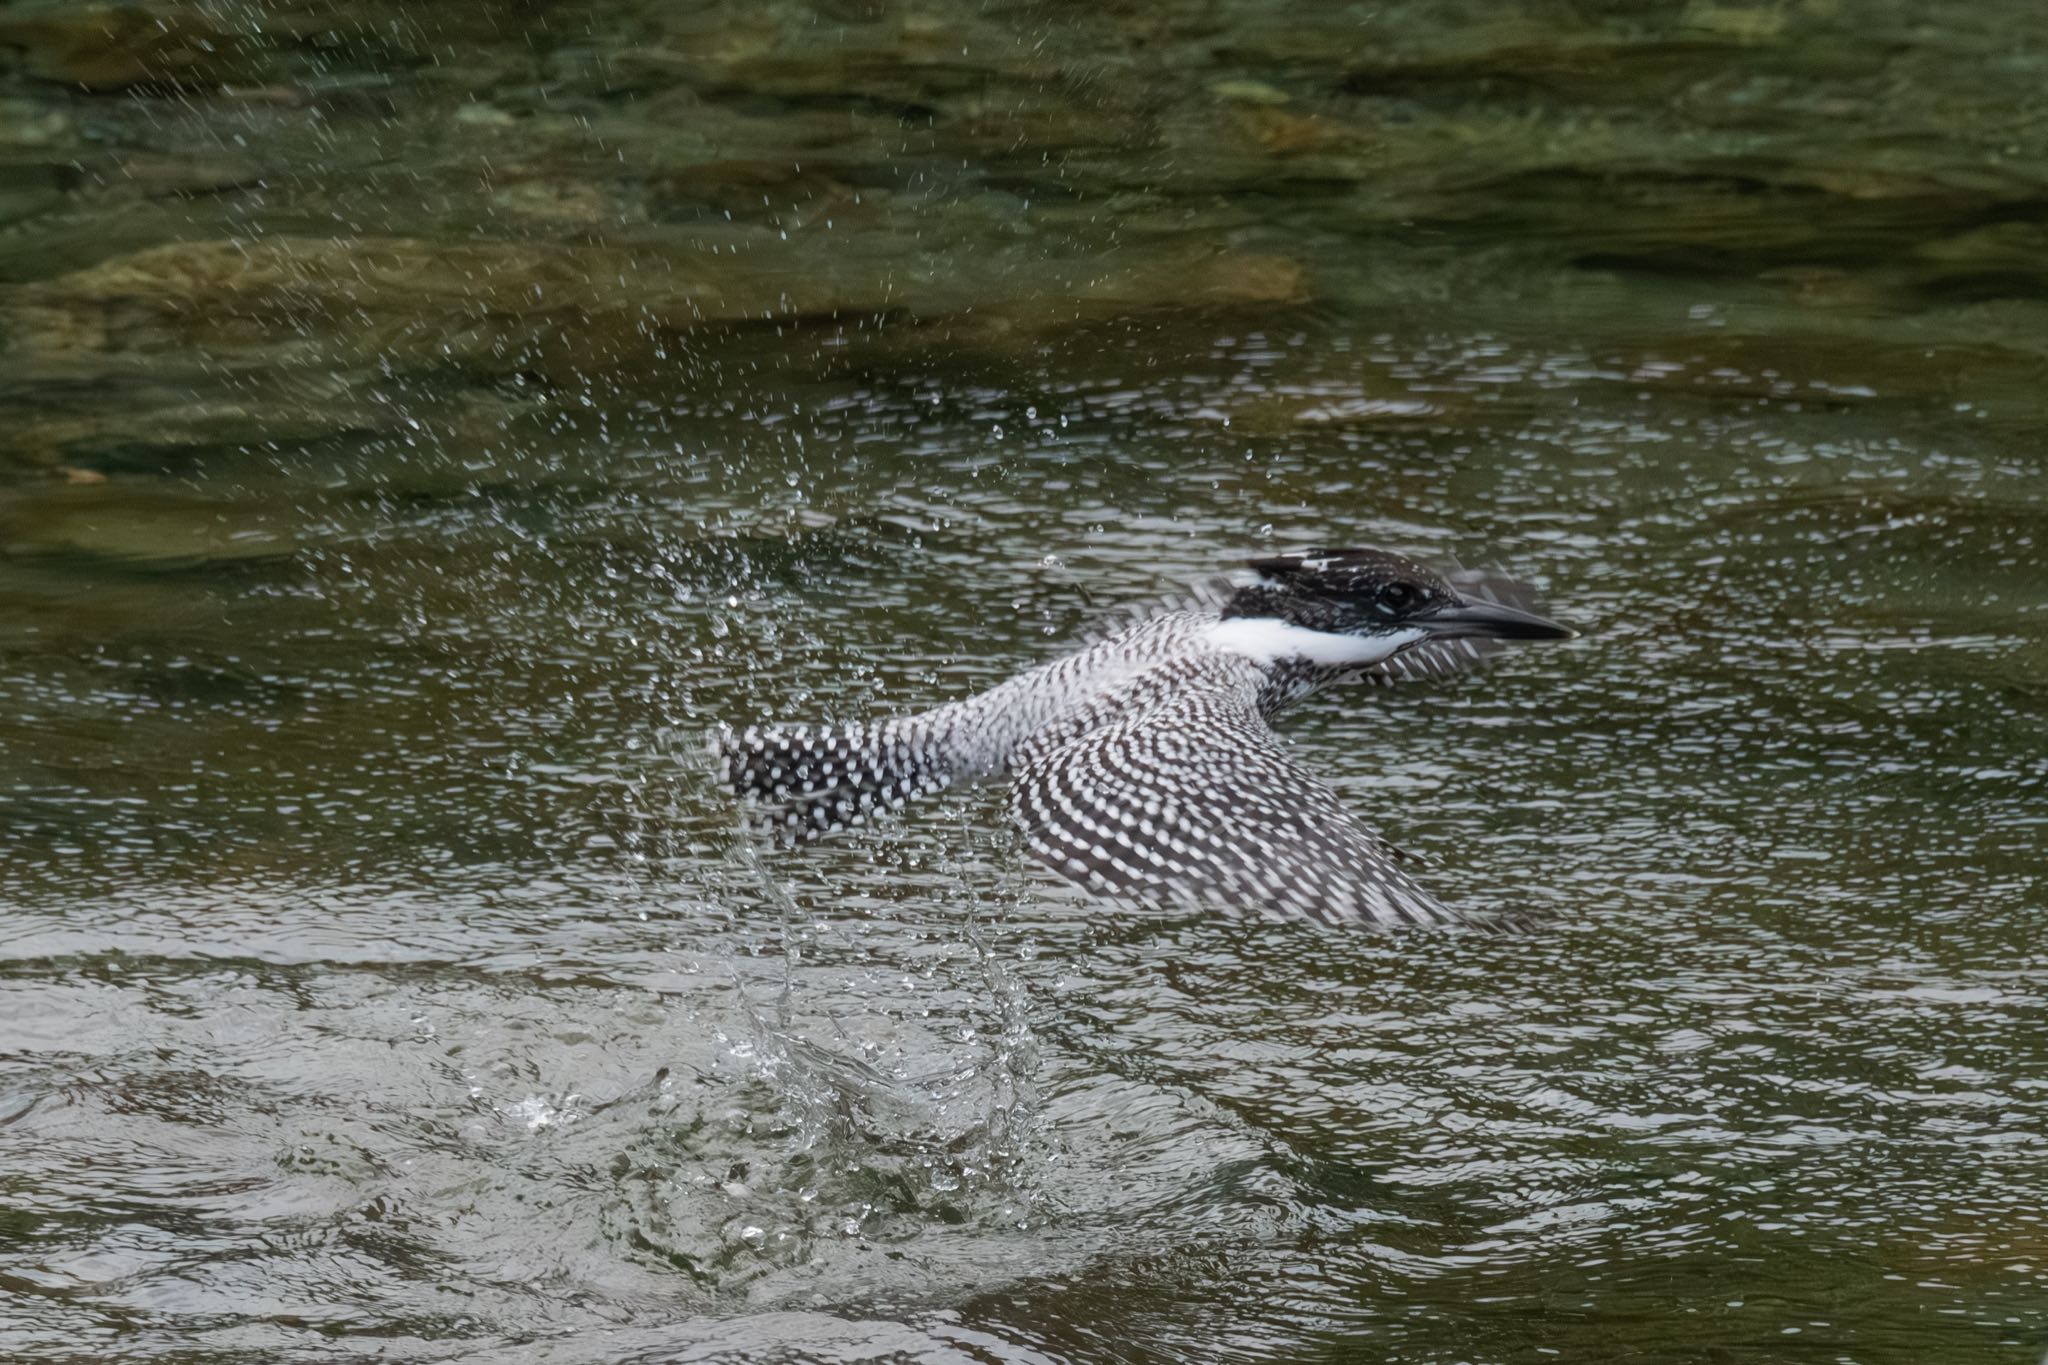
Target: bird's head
[(1359, 607)]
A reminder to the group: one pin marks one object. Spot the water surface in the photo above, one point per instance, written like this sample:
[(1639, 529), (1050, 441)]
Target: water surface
[(421, 422)]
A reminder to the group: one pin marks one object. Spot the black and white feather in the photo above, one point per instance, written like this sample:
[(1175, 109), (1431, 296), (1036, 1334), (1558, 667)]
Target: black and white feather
[(1435, 660), (1176, 791), (1144, 764)]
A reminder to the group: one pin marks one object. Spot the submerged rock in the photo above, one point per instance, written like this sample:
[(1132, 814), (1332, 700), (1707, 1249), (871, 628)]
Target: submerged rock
[(114, 47), (410, 295), (293, 206), (135, 524)]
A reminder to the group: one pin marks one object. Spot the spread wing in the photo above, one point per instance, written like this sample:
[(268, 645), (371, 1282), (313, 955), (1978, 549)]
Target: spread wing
[(1203, 595), (1177, 792)]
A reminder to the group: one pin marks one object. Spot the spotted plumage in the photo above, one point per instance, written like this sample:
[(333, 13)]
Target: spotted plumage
[(1144, 765)]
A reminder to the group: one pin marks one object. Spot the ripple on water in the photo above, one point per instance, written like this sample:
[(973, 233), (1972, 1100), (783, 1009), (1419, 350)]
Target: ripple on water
[(379, 967)]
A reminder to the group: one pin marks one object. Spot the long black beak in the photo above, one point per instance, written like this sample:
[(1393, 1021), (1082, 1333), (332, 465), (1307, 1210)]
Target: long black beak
[(1490, 620)]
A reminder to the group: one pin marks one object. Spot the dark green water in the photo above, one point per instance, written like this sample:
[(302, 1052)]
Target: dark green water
[(417, 422)]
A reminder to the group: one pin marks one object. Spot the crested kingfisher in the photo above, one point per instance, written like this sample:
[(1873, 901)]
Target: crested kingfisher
[(1142, 764)]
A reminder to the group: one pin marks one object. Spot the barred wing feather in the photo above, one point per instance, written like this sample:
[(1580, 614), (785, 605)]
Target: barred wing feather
[(1177, 792)]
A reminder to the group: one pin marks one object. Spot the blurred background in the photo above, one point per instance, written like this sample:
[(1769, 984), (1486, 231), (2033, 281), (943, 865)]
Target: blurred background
[(419, 422)]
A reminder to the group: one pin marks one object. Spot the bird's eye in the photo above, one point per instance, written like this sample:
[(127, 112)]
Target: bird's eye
[(1396, 598)]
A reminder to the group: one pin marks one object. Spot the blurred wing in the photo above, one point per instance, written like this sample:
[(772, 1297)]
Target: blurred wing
[(1184, 796), (1434, 659), (1206, 594)]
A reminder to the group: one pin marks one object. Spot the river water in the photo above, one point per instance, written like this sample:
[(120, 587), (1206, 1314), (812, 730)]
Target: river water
[(421, 422)]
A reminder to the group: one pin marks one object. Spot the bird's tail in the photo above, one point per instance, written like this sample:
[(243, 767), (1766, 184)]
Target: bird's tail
[(806, 780)]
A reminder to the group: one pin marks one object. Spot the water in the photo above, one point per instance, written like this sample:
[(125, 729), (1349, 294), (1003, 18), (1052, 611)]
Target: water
[(421, 422)]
